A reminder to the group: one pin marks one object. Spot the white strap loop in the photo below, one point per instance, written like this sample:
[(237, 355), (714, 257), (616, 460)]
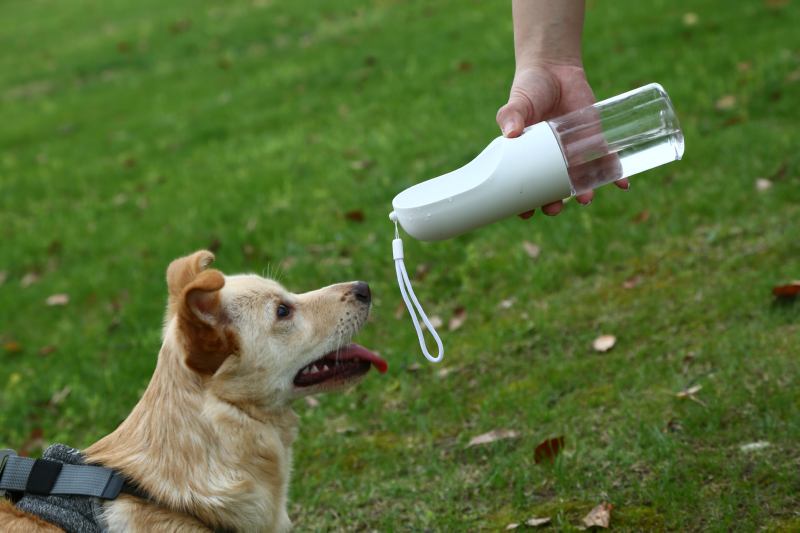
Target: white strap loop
[(406, 290)]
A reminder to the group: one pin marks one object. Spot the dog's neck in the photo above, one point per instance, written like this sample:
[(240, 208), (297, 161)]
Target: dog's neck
[(224, 463)]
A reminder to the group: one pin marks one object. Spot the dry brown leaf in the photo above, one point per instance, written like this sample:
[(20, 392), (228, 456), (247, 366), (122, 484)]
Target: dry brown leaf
[(492, 436), (446, 371), (790, 290), (536, 522), (755, 446), (512, 525), (726, 102), (604, 343), (436, 322), (414, 367), (762, 184), (3, 276), (691, 394), (632, 281), (421, 271), (600, 516), (548, 449), (12, 347), (400, 311), (29, 279), (458, 318), (57, 299), (507, 303), (47, 350), (59, 396), (641, 217), (690, 19), (356, 215), (312, 402), (532, 250)]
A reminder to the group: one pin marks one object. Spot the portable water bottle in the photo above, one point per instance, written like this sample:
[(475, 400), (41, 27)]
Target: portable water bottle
[(552, 160)]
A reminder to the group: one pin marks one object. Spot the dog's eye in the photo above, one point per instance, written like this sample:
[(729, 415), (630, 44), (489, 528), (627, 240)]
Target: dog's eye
[(283, 311)]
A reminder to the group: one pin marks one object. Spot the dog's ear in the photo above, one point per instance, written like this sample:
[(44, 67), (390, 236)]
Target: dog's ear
[(181, 272), (203, 323)]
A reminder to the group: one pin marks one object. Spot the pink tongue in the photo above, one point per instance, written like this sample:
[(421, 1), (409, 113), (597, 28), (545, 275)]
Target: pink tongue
[(356, 350)]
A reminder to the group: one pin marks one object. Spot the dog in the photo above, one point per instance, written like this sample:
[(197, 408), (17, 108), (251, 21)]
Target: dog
[(210, 441)]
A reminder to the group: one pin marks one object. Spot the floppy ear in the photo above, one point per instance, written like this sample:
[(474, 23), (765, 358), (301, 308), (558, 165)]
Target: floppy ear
[(204, 324), (183, 271)]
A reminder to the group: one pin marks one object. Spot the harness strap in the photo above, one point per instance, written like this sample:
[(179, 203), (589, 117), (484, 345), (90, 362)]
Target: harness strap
[(43, 477)]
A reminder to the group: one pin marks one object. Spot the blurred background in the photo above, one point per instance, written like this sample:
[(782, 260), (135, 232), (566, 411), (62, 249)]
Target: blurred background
[(276, 134)]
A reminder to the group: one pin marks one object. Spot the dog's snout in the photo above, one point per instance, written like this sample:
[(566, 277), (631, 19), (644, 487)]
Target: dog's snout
[(361, 292)]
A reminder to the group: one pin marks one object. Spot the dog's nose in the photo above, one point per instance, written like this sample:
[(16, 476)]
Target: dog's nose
[(361, 292)]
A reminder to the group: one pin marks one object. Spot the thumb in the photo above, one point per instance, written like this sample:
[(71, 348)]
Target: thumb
[(511, 118)]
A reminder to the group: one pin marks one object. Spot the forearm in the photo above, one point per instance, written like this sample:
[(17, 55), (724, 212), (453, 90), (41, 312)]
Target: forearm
[(547, 31)]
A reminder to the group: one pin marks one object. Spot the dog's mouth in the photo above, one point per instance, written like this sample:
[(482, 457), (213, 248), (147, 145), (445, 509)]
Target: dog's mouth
[(343, 364)]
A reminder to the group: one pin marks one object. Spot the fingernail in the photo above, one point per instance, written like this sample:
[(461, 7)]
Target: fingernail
[(508, 127), (587, 203)]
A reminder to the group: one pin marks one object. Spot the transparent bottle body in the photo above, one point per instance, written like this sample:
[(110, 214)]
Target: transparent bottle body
[(619, 137)]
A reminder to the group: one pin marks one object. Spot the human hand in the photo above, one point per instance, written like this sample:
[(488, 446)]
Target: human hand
[(544, 91)]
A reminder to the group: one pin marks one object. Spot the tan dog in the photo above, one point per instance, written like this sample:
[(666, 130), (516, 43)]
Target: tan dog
[(210, 440)]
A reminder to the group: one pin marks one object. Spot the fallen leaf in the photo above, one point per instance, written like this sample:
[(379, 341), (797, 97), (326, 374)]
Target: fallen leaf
[(47, 350), (35, 441), (414, 367), (492, 436), (341, 425), (790, 290), (600, 516), (400, 311), (744, 66), (507, 303), (465, 66), (776, 3), (642, 216), (421, 271), (755, 446), (356, 215), (512, 525), (214, 245), (604, 343), (362, 164), (674, 426), (3, 276), (12, 347), (531, 249), (446, 371), (59, 396), (690, 19), (436, 322), (535, 522), (57, 299), (632, 282), (691, 394), (548, 449), (312, 402), (762, 184), (458, 318), (726, 102), (29, 279)]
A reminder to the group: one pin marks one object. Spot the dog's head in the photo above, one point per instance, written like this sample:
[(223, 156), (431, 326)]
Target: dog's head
[(256, 342)]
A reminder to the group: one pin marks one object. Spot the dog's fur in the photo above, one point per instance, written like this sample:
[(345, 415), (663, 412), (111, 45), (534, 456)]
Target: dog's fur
[(210, 440)]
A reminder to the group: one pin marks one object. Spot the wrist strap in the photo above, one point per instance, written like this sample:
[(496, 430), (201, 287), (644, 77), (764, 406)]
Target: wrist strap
[(406, 291)]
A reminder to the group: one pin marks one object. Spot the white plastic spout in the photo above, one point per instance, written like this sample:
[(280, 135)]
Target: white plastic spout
[(510, 176), (571, 154)]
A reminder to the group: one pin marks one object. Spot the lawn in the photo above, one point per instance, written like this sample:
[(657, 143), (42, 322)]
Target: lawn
[(277, 133)]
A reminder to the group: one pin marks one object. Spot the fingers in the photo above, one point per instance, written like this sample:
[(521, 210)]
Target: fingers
[(527, 214), (534, 94), (585, 198), (623, 184), (552, 209)]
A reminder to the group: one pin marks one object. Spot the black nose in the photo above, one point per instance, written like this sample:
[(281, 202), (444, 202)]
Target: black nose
[(362, 292)]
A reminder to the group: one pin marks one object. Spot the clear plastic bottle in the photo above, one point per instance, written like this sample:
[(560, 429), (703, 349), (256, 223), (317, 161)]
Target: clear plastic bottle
[(618, 137)]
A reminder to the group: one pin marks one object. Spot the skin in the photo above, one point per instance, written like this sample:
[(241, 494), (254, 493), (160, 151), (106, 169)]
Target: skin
[(549, 80)]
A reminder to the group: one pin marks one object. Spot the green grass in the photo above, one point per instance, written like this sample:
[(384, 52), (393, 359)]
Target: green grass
[(135, 132)]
